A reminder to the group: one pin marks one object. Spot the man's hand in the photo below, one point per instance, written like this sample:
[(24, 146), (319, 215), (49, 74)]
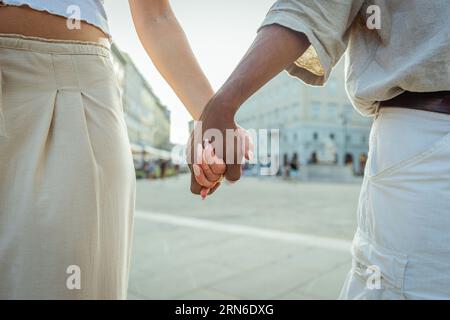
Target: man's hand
[(215, 143)]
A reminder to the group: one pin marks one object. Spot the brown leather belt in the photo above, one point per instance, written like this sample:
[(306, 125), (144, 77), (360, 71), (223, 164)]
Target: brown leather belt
[(438, 101)]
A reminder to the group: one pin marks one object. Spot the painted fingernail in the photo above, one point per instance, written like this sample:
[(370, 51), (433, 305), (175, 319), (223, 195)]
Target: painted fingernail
[(196, 170), (204, 193)]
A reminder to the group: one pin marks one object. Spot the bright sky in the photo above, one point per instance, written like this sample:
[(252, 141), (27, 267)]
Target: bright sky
[(219, 32)]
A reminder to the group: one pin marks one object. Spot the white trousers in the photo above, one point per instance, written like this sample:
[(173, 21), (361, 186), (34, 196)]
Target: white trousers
[(401, 249), (66, 173)]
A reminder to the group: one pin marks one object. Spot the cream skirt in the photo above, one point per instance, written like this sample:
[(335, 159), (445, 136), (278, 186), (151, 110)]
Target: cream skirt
[(67, 181)]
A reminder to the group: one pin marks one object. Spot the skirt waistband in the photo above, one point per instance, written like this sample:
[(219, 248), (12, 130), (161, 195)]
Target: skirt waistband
[(50, 46)]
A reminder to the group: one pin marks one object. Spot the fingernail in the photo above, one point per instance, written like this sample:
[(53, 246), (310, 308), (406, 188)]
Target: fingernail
[(204, 193), (196, 170)]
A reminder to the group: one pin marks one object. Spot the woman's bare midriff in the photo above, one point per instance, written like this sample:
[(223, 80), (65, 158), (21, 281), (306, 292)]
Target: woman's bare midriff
[(32, 23)]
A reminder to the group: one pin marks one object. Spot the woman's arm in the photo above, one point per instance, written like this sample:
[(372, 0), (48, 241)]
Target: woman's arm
[(167, 45)]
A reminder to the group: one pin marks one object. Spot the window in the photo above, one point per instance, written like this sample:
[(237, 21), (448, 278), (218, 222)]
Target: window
[(348, 112), (332, 111), (315, 110)]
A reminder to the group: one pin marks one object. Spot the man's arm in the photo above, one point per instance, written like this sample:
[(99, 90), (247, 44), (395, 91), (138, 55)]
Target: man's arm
[(167, 45), (274, 49)]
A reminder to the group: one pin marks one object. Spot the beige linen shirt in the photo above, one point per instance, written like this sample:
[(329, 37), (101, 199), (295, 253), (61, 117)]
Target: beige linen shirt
[(409, 52)]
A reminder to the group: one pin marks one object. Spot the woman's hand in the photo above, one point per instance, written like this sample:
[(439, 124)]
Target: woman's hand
[(210, 173)]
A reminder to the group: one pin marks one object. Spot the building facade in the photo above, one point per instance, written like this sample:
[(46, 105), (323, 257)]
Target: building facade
[(319, 124), (147, 119)]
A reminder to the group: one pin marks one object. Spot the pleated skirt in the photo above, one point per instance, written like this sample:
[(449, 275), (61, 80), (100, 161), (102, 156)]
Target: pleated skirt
[(67, 183)]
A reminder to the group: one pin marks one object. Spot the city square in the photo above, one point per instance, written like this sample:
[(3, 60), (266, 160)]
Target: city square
[(263, 238)]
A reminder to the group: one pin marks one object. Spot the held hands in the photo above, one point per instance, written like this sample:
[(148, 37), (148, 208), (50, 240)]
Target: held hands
[(216, 149)]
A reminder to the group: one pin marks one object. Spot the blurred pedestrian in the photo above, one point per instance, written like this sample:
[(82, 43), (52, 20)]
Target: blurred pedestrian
[(313, 159), (295, 166), (286, 167), (362, 163), (162, 168)]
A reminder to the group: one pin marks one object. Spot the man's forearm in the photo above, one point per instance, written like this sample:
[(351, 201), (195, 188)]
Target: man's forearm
[(274, 49)]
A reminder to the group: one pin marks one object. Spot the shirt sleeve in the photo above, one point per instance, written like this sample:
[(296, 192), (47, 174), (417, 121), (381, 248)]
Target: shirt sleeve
[(326, 23)]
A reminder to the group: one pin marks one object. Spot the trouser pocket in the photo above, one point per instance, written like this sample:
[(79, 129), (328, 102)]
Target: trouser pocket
[(402, 139), (377, 272)]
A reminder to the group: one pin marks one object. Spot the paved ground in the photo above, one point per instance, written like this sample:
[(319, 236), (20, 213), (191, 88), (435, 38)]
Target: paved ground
[(258, 239)]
